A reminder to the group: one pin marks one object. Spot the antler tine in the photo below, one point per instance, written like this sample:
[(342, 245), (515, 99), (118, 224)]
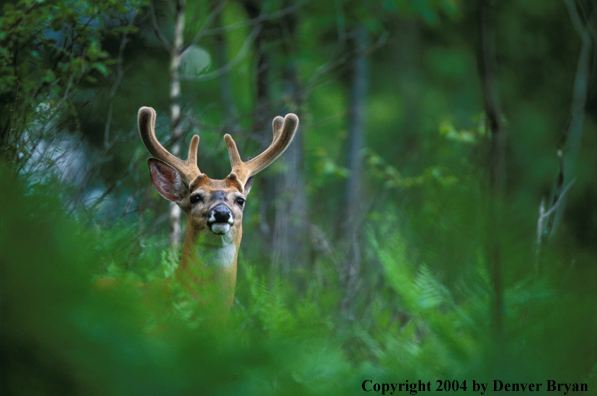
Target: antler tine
[(235, 160), (188, 169), (279, 144), (277, 125), (284, 130), (193, 147)]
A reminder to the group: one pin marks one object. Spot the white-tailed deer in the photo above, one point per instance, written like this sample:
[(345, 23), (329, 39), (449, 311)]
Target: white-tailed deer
[(214, 209)]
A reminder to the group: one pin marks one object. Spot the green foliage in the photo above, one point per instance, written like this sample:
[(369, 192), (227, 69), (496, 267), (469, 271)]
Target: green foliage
[(48, 51)]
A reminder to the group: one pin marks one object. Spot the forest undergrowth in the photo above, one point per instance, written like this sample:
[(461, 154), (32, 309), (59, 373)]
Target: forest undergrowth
[(62, 337)]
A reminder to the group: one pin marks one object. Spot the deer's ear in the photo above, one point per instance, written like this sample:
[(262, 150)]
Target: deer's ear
[(248, 185), (167, 181)]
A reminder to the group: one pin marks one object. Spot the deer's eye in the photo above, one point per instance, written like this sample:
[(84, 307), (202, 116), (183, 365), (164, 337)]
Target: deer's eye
[(195, 198), (240, 201)]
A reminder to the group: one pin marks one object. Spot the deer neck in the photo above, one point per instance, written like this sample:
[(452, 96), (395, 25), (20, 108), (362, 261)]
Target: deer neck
[(208, 265)]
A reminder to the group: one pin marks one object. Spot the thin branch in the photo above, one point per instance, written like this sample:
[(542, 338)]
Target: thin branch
[(570, 142), (156, 28), (258, 20), (569, 146), (560, 198), (39, 135), (575, 18), (119, 75), (212, 16), (339, 65), (225, 69), (544, 230), (340, 22)]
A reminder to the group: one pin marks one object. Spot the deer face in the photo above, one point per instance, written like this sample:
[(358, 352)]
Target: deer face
[(212, 206)]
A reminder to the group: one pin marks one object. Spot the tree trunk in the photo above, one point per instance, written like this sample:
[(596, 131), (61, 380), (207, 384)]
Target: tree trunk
[(289, 243), (569, 146), (494, 115), (353, 215), (283, 201), (221, 59), (289, 248), (261, 118), (175, 113)]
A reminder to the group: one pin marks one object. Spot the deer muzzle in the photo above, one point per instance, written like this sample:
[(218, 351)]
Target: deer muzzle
[(220, 219)]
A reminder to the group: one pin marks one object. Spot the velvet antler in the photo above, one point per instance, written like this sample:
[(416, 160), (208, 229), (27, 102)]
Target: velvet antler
[(284, 130), (188, 169)]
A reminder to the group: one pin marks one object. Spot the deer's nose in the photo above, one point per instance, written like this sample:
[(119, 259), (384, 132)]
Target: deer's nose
[(221, 214)]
